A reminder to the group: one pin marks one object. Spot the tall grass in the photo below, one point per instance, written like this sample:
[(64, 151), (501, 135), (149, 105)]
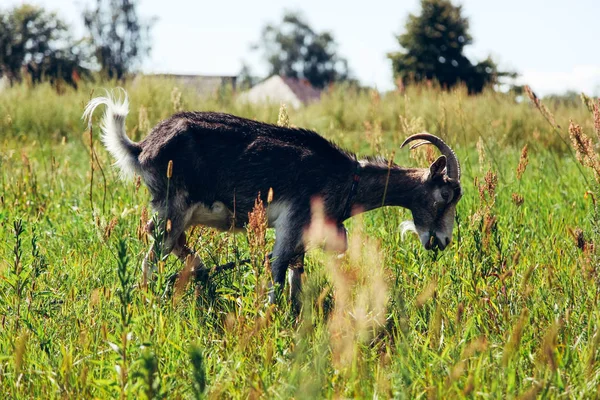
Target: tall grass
[(509, 310)]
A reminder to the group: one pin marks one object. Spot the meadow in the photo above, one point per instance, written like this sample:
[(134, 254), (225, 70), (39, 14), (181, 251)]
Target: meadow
[(509, 310)]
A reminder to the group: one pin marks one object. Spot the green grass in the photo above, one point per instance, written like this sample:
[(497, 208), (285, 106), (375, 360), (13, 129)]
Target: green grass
[(509, 310)]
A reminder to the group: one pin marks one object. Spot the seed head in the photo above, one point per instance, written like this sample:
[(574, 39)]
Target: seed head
[(170, 169), (579, 238), (481, 153), (596, 112), (523, 161), (517, 199), (283, 119), (532, 96), (584, 148)]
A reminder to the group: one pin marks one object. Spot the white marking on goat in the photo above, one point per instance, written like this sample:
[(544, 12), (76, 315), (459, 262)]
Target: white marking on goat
[(216, 216), (277, 212), (437, 195), (406, 227)]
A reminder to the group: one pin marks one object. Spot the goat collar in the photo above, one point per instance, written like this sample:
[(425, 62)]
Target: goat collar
[(353, 189)]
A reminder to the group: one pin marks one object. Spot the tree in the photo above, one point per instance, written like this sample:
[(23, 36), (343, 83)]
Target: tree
[(294, 49), (245, 78), (120, 39), (37, 42), (432, 49)]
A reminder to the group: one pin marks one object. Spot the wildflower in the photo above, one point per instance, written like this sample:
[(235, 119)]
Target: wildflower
[(257, 228)]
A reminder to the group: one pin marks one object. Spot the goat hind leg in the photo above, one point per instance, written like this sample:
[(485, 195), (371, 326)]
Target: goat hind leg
[(295, 281)]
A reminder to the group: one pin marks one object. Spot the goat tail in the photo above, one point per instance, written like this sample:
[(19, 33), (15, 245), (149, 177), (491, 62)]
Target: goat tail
[(114, 135)]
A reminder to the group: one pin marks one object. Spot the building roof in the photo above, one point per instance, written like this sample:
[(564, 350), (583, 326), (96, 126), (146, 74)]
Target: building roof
[(302, 88)]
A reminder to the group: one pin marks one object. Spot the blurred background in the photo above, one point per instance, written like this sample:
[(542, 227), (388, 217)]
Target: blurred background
[(547, 44)]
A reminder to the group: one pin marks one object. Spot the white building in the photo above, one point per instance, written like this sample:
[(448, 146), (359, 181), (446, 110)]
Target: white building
[(277, 90)]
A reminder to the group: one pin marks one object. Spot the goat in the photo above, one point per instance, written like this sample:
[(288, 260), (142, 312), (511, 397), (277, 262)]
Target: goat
[(222, 163)]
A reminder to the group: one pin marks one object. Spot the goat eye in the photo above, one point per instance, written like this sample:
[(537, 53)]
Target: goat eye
[(445, 196)]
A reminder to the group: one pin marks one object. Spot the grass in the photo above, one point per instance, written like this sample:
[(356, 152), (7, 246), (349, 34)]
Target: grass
[(509, 310)]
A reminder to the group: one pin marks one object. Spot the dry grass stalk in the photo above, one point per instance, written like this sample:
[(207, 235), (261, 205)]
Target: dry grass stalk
[(549, 346), (257, 226), (517, 199), (322, 232), (141, 229), (491, 181), (490, 223), (532, 96), (579, 238), (411, 126), (374, 134), (257, 241), (588, 102), (283, 119), (584, 148), (523, 161), (143, 121), (512, 345), (532, 393), (427, 293), (170, 169), (176, 99), (542, 108), (487, 187), (108, 230), (477, 345), (360, 289), (596, 113), (184, 277)]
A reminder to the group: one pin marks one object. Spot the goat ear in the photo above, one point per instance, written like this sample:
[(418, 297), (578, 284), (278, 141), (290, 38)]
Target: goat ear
[(438, 167)]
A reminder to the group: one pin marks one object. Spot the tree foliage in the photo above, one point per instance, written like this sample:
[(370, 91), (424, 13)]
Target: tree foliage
[(119, 37), (433, 49), (294, 49), (38, 43)]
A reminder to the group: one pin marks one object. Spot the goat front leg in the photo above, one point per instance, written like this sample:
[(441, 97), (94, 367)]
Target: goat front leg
[(182, 251), (149, 267), (193, 265)]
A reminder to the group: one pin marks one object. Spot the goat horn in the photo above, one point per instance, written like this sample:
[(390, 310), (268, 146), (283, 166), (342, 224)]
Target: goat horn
[(452, 166)]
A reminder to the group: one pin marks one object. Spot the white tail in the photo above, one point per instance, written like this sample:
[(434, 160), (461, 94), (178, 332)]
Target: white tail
[(114, 135)]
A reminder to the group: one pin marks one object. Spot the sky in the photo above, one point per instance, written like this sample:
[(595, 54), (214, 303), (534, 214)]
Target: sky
[(552, 44)]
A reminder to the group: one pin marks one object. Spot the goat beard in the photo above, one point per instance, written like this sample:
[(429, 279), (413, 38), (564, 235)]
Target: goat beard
[(407, 227)]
